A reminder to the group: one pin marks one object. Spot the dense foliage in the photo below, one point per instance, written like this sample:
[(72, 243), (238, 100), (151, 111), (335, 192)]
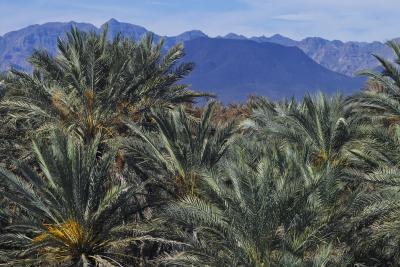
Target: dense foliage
[(106, 162)]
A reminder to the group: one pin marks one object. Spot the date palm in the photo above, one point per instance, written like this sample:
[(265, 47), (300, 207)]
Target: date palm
[(263, 207), (322, 124), (183, 146), (381, 104), (375, 209), (73, 212), (91, 84)]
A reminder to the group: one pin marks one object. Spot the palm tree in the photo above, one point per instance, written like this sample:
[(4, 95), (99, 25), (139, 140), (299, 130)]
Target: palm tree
[(73, 212), (373, 225), (8, 135), (376, 210), (324, 125), (92, 84), (381, 103), (182, 148), (376, 217), (264, 206)]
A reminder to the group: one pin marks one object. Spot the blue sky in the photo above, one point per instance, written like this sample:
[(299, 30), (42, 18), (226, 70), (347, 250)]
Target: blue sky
[(360, 20)]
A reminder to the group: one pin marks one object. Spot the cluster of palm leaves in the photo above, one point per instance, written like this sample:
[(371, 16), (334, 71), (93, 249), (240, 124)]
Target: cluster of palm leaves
[(107, 162)]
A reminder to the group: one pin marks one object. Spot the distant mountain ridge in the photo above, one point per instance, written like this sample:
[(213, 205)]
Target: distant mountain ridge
[(17, 46), (343, 57), (332, 56), (235, 69)]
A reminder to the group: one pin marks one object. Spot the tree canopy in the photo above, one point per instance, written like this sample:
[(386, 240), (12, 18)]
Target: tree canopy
[(105, 161)]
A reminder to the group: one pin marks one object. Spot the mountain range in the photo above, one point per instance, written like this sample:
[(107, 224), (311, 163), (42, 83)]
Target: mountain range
[(233, 66), (344, 57), (235, 69)]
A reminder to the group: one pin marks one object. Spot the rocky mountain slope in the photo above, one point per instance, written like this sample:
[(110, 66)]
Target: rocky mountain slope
[(344, 57)]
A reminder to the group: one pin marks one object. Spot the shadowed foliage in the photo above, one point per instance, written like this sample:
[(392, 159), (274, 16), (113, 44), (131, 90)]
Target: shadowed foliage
[(264, 206), (73, 212), (184, 146), (321, 124)]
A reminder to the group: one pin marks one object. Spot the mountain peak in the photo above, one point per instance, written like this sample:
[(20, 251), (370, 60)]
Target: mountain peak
[(195, 32), (192, 34), (115, 23), (315, 40), (281, 38), (112, 21), (130, 30), (277, 35), (235, 36), (277, 39), (184, 37)]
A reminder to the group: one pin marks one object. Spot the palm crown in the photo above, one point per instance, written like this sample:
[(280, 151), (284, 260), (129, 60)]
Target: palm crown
[(72, 211), (324, 125), (184, 146), (252, 211), (92, 84)]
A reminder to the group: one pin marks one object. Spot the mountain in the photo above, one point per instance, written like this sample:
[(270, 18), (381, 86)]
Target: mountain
[(276, 39), (234, 69), (16, 46), (234, 36), (274, 66), (344, 57), (129, 30), (183, 37)]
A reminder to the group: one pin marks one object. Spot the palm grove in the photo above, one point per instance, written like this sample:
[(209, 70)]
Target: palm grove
[(106, 162)]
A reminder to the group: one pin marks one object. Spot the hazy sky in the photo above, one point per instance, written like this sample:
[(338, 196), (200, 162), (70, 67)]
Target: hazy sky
[(361, 20)]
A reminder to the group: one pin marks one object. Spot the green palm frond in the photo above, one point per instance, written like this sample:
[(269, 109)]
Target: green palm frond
[(92, 84), (73, 211), (183, 147), (324, 125), (252, 212)]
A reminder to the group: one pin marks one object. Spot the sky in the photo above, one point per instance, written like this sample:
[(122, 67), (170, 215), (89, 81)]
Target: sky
[(357, 20)]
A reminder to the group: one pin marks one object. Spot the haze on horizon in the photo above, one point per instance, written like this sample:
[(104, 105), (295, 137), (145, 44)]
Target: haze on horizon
[(356, 20)]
